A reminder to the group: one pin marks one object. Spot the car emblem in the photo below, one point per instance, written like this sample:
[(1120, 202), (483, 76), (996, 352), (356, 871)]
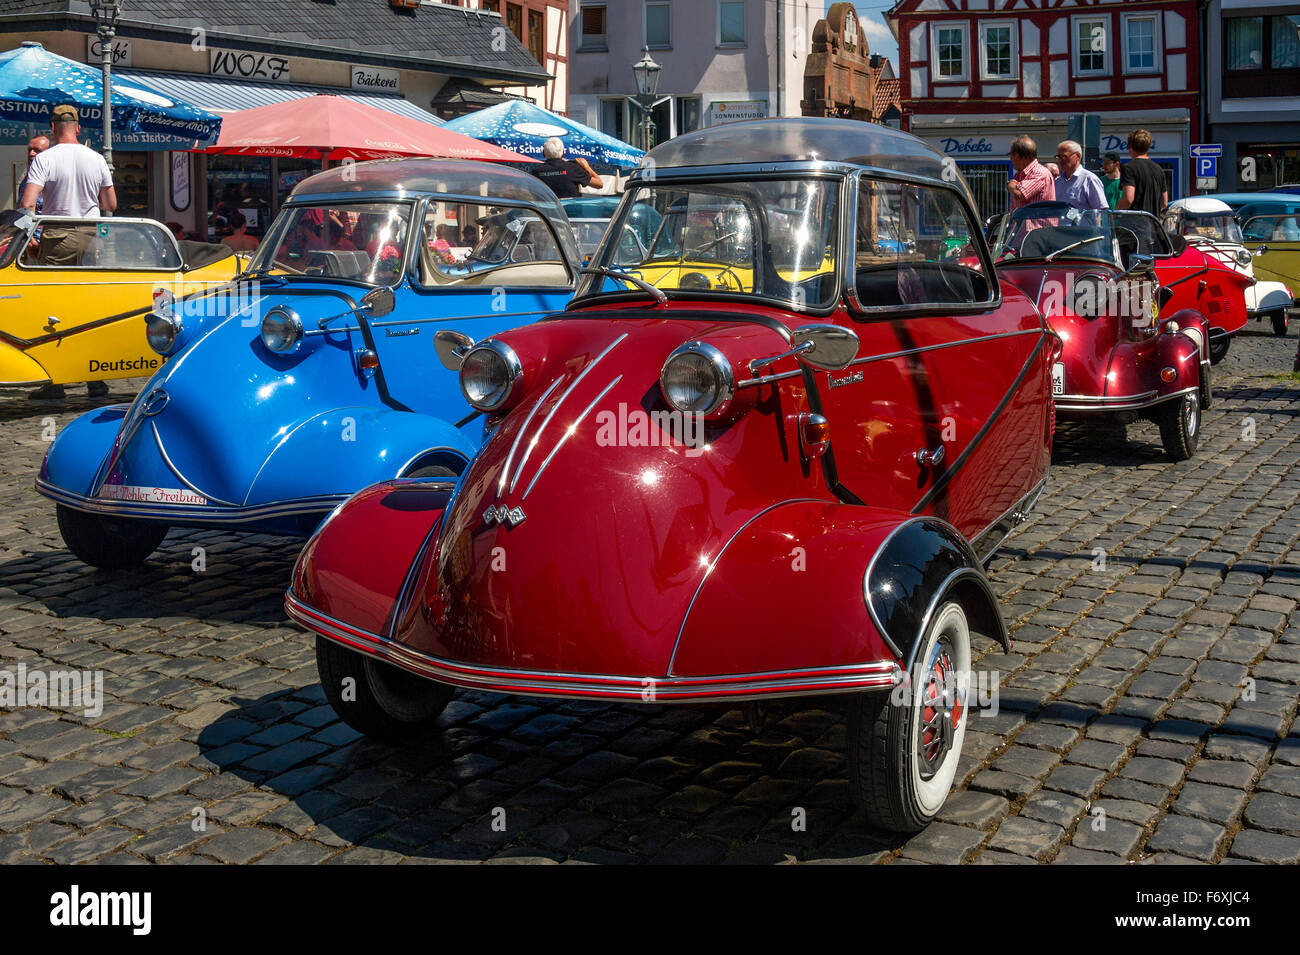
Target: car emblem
[(155, 402), (500, 514)]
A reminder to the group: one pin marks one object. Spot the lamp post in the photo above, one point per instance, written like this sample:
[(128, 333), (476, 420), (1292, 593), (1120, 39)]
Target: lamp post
[(646, 72), (106, 14)]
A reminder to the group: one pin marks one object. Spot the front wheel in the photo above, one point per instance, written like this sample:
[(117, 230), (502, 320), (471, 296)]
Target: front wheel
[(1180, 423), (375, 698), (904, 745), (1279, 322), (109, 543), (1219, 348)]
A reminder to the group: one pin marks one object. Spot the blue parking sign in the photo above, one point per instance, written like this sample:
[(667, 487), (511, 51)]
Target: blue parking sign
[(1207, 166)]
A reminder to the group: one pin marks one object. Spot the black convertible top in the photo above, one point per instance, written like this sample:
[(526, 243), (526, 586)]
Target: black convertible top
[(196, 255)]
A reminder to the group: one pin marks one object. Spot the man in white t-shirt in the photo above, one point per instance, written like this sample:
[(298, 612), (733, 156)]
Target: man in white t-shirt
[(73, 180)]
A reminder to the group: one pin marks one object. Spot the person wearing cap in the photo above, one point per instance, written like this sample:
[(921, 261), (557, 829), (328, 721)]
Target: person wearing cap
[(68, 179), (71, 180)]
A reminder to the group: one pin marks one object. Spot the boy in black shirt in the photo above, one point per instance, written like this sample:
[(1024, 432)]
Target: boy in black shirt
[(1142, 181)]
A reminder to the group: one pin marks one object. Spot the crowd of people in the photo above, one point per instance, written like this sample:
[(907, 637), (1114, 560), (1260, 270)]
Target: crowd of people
[(1137, 184)]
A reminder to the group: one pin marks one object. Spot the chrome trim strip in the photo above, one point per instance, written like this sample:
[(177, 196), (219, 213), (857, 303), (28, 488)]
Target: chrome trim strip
[(177, 471), (547, 420), (1104, 400), (942, 345), (768, 379), (415, 457), (565, 437), (1084, 403), (794, 682), (186, 512), (519, 436), (672, 660), (1024, 505)]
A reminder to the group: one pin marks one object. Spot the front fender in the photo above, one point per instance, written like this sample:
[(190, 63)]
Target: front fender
[(1270, 296), (816, 584), (17, 368), (75, 456), (351, 447)]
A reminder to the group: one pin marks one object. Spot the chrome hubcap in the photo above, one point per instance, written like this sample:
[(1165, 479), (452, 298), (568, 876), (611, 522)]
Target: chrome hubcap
[(942, 707), (1193, 414)]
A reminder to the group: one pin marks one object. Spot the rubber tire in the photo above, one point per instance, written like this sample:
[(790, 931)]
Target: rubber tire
[(1180, 426), (109, 543), (1219, 349), (433, 471), (1279, 322), (880, 754), (390, 704)]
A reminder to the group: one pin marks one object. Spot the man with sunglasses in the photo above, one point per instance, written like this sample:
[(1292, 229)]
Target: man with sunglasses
[(1079, 187)]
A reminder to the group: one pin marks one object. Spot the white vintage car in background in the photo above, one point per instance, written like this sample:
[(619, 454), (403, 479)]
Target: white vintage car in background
[(1212, 226)]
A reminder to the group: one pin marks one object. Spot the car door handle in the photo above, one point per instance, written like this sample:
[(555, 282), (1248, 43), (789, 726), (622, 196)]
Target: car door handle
[(930, 457)]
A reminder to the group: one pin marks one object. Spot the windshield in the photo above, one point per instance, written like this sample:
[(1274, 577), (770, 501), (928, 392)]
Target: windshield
[(12, 239), (1055, 229), (360, 241), (772, 238), (1272, 228), (1216, 228)]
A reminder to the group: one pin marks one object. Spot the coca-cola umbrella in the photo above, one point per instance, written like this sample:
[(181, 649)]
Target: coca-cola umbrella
[(33, 81), (331, 127)]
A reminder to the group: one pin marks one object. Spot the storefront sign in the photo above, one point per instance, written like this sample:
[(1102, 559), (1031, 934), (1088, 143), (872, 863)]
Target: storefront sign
[(180, 175), (95, 51), (250, 66), (735, 112), (974, 146), (375, 78)]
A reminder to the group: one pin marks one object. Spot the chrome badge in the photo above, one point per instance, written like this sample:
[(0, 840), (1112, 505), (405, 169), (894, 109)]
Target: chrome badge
[(154, 402), (500, 514)]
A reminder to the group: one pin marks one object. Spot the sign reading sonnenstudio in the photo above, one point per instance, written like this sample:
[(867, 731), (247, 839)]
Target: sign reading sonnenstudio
[(250, 66), (375, 78)]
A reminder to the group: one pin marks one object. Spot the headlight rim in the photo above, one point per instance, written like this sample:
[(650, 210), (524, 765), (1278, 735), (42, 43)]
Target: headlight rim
[(294, 321), (173, 321), (514, 376), (721, 365)]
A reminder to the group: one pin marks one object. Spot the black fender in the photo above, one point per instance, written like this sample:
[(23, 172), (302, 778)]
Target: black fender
[(923, 562)]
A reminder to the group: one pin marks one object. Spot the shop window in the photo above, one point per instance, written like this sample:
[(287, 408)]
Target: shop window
[(592, 17), (688, 114), (1141, 44), (949, 51), (131, 181), (657, 27), (1261, 56), (613, 119), (1269, 166), (988, 184), (238, 183), (998, 51), (1091, 47), (731, 23)]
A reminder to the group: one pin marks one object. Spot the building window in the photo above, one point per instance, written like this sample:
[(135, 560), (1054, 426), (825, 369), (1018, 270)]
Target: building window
[(491, 6), (1141, 44), (688, 114), (731, 23), (515, 20), (1091, 47), (537, 35), (613, 118), (592, 16), (657, 34), (1261, 56), (949, 51), (998, 51)]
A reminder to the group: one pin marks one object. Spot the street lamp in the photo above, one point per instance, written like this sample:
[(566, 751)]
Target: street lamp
[(106, 14), (646, 72)]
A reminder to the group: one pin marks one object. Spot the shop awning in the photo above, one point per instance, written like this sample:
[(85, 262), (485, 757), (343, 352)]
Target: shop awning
[(227, 96)]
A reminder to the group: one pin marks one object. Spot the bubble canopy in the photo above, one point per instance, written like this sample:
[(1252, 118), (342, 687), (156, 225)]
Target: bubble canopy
[(804, 139)]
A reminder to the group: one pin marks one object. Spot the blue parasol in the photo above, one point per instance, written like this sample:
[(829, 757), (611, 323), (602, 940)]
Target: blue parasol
[(522, 127), (33, 81)]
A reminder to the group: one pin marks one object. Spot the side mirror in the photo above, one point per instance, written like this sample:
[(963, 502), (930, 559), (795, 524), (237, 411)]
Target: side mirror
[(1261, 250), (379, 302), (1178, 242), (1139, 262), (992, 224), (828, 347), (451, 348), (1163, 295)]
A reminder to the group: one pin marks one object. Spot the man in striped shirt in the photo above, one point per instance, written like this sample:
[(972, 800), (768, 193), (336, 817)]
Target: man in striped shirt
[(1032, 182)]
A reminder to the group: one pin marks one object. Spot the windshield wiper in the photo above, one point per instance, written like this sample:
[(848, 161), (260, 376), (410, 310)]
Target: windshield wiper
[(1072, 245), (264, 272), (610, 272)]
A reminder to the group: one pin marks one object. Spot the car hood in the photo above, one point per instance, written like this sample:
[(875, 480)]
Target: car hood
[(579, 535)]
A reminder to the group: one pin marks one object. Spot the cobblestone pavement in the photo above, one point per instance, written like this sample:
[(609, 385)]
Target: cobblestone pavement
[(1152, 687)]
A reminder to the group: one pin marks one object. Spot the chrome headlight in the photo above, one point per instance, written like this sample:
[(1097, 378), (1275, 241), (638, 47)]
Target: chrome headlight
[(697, 379), (1091, 296), (281, 330), (162, 331), (491, 376), (1244, 258)]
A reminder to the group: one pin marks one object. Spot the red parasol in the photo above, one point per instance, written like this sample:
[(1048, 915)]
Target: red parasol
[(331, 127)]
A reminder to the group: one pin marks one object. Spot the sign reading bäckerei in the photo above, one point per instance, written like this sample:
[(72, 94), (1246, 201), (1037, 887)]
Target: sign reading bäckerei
[(250, 66), (375, 78)]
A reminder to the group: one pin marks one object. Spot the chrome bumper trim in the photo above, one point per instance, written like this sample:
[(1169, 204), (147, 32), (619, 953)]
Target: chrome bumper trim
[(189, 513), (1118, 403), (879, 674)]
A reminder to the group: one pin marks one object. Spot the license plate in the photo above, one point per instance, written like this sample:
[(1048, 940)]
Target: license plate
[(1058, 378)]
